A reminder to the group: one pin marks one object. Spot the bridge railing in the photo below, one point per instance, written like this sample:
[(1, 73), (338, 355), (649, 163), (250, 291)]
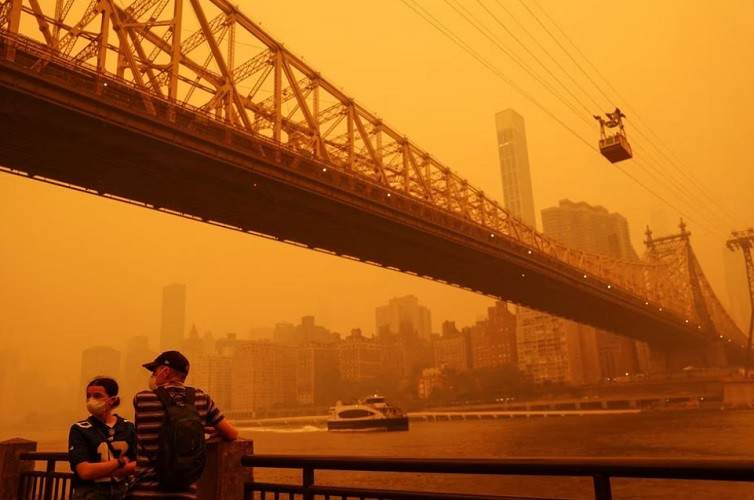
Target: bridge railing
[(601, 470)]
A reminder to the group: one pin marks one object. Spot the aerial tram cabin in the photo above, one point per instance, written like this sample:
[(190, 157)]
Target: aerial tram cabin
[(614, 147)]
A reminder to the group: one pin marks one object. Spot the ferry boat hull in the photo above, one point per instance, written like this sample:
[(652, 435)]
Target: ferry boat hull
[(377, 424)]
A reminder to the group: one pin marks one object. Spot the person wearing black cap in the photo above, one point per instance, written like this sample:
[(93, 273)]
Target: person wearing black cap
[(168, 371)]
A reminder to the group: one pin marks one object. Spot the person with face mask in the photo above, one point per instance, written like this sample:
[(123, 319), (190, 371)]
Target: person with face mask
[(168, 374), (102, 448)]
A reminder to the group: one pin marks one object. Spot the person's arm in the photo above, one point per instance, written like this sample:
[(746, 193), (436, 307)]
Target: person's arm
[(80, 455), (127, 449), (223, 429), (96, 470), (128, 470), (217, 425), (226, 430)]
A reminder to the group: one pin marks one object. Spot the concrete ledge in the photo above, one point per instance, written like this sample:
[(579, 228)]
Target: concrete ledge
[(11, 465), (224, 477)]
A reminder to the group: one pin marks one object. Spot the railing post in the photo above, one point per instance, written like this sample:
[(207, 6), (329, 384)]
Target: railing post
[(308, 483), (224, 477), (11, 466), (49, 480), (602, 487)]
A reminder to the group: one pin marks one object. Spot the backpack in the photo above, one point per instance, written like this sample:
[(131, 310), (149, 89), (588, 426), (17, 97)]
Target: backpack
[(182, 450)]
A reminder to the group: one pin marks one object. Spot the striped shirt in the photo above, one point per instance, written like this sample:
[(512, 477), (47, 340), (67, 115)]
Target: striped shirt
[(149, 415)]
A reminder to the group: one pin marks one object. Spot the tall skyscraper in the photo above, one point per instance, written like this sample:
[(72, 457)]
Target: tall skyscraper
[(514, 166), (552, 349), (589, 228), (404, 315), (173, 316), (317, 374), (262, 376), (501, 333), (133, 378), (593, 229)]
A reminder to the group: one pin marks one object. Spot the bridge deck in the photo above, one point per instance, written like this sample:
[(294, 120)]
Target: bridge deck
[(64, 125)]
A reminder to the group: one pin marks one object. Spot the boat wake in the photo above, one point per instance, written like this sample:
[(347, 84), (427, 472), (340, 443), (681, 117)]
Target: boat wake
[(288, 430)]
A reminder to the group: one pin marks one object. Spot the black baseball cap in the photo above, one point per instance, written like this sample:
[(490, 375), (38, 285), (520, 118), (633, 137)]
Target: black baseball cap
[(171, 359)]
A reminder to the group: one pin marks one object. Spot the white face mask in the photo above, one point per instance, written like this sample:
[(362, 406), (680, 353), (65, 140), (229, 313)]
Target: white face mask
[(96, 406), (152, 382)]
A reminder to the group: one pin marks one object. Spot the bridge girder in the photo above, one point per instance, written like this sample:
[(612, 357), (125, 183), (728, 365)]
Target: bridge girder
[(132, 63)]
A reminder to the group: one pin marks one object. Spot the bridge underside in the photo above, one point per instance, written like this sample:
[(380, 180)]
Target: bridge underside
[(228, 177)]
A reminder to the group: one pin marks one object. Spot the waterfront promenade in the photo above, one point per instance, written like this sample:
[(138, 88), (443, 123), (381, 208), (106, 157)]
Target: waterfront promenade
[(690, 394)]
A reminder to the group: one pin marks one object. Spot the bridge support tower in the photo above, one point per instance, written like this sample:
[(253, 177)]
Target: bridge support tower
[(744, 240)]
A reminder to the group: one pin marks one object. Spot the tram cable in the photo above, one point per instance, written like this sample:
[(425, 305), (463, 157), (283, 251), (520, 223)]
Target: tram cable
[(690, 178), (439, 26), (674, 187), (542, 48), (534, 56), (500, 45), (451, 34), (695, 203), (712, 229), (442, 28)]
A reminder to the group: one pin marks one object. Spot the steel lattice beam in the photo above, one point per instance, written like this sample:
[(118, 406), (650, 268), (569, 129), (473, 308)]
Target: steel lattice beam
[(744, 241), (275, 96)]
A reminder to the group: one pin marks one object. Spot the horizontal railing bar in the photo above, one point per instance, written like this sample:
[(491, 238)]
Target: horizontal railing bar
[(276, 487), (634, 467), (408, 495), (374, 493), (50, 475), (57, 456)]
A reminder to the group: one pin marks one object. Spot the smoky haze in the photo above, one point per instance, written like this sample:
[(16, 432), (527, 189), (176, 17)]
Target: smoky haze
[(78, 271)]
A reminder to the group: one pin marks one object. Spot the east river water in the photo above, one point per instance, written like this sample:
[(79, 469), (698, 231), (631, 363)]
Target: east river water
[(682, 434)]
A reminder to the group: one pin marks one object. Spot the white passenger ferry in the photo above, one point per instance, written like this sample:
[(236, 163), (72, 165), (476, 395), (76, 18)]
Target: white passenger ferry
[(372, 413)]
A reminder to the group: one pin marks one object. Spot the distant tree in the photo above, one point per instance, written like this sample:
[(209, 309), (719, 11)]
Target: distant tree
[(503, 381)]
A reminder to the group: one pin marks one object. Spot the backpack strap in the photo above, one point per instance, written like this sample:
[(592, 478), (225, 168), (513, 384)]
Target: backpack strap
[(167, 400), (164, 397), (190, 393)]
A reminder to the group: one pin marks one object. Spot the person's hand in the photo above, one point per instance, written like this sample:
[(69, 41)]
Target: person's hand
[(212, 433), (120, 472)]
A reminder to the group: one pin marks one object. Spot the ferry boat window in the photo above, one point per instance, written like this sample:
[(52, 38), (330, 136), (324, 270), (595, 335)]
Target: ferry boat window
[(354, 413)]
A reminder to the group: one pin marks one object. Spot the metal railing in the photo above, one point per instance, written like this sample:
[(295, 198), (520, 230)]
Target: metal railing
[(601, 470), (45, 484)]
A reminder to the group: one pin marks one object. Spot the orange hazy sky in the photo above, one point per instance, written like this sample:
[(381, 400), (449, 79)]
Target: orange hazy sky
[(77, 270)]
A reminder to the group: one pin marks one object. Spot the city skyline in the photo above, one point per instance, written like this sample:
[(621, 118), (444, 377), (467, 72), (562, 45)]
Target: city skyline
[(80, 267)]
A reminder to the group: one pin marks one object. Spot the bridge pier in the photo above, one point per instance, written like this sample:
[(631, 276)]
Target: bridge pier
[(738, 393)]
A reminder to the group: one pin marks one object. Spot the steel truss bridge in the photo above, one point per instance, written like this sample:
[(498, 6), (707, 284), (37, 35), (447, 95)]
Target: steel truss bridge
[(189, 107)]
